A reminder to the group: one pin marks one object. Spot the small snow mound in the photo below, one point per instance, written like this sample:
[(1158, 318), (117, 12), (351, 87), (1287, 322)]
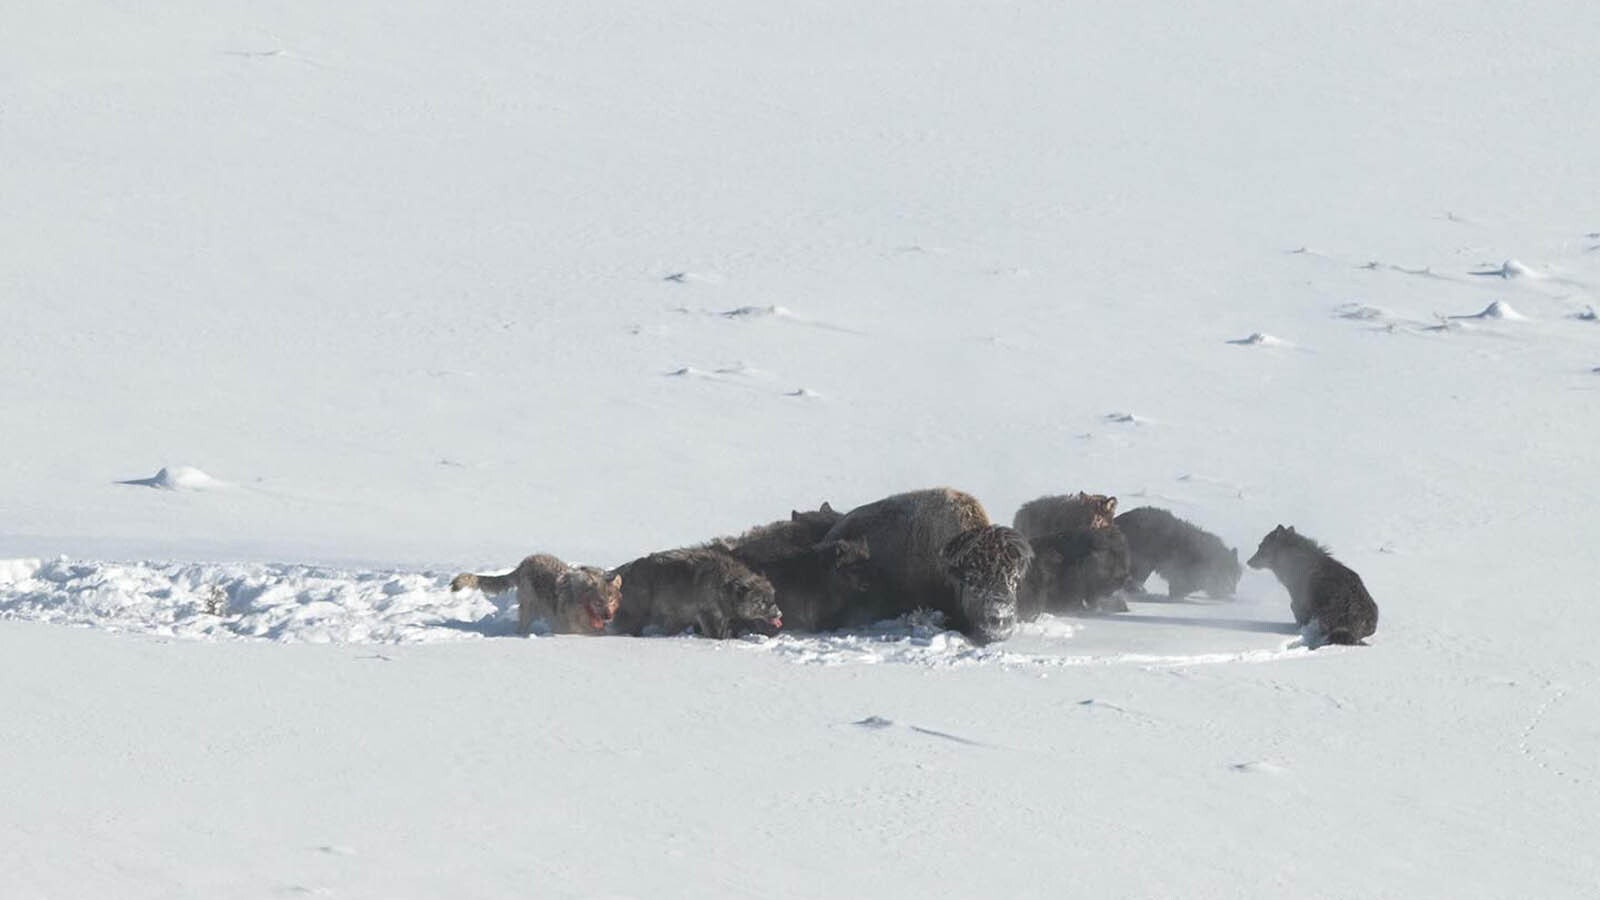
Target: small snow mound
[(1511, 268), (1499, 309), (1588, 315), (1259, 339), (1125, 418), (274, 602), (178, 478), (803, 393)]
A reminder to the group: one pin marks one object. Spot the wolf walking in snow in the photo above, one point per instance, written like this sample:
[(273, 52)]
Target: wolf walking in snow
[(1322, 590), (572, 599), (702, 587), (1187, 556)]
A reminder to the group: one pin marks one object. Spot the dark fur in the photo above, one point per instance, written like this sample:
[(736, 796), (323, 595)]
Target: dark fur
[(1186, 556), (782, 539), (701, 587), (1064, 512), (806, 572), (572, 599), (1322, 590), (906, 536), (811, 583), (979, 560), (1075, 572)]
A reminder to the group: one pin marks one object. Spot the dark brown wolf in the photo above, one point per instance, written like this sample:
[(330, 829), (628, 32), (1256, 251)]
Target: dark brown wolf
[(783, 538), (1322, 591), (699, 587), (1186, 556), (807, 573), (572, 599)]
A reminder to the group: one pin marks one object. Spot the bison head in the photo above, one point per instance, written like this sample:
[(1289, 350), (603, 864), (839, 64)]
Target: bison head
[(984, 566)]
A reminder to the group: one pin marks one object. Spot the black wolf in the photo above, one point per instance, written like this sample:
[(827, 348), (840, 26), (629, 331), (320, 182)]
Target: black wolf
[(1322, 590), (1074, 572), (1187, 556)]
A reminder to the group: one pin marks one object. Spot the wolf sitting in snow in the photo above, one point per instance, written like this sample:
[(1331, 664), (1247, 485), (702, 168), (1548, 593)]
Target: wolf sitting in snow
[(1322, 591)]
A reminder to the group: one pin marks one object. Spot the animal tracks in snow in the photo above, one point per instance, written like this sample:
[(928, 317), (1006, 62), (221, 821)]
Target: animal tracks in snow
[(740, 376), (879, 723), (1570, 759), (769, 313)]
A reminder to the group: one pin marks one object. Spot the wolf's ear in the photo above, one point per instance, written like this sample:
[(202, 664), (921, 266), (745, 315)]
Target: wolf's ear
[(1111, 505), (825, 507), (1291, 529), (616, 582), (1279, 530)]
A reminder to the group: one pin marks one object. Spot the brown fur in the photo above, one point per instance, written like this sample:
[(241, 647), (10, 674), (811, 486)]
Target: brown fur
[(699, 587), (1065, 512), (572, 599), (906, 537)]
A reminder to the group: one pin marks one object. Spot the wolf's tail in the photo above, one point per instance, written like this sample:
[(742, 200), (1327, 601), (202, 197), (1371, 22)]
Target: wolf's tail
[(489, 584)]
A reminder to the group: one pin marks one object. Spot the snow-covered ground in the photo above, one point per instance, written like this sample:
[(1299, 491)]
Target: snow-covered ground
[(304, 309)]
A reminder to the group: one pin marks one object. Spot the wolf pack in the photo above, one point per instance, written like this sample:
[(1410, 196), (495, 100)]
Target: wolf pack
[(822, 570)]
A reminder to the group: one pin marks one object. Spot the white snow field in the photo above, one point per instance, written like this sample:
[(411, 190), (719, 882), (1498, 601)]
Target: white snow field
[(384, 292)]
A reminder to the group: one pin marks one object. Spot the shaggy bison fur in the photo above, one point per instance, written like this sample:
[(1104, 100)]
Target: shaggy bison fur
[(1075, 572), (980, 561), (1064, 512), (915, 563), (1186, 556), (703, 587), (572, 599), (1322, 591)]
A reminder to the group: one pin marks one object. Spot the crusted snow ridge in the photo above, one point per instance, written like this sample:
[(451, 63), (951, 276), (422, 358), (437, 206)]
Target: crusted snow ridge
[(271, 601)]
